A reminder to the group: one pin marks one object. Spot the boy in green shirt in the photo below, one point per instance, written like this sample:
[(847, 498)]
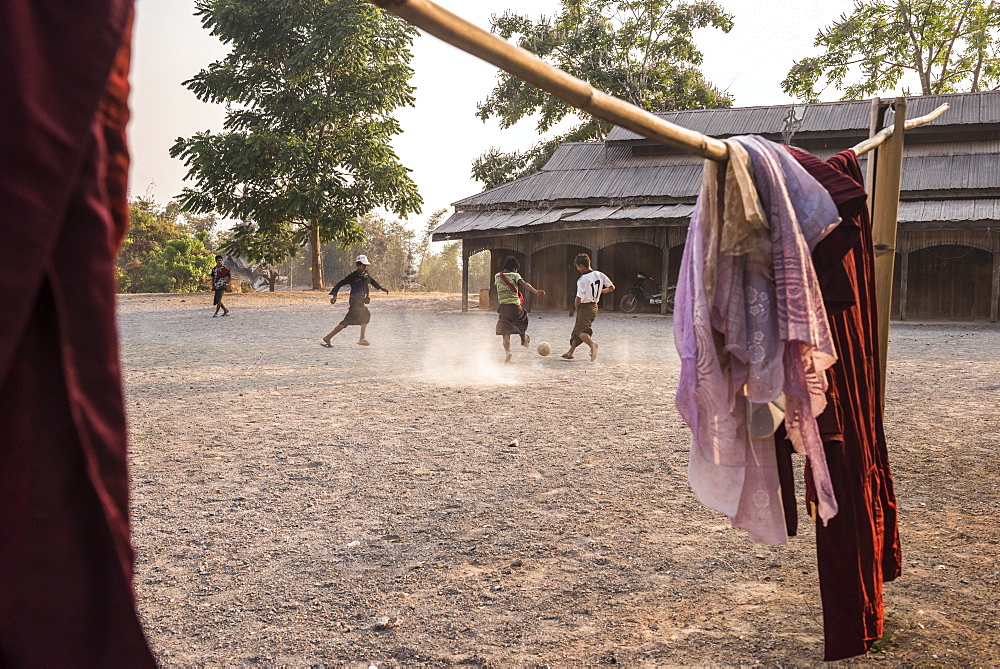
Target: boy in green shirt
[(513, 319)]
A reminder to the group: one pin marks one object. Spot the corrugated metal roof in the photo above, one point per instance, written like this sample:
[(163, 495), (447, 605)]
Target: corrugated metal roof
[(920, 173), (934, 211), (466, 221), (966, 109), (958, 172), (626, 182), (950, 211)]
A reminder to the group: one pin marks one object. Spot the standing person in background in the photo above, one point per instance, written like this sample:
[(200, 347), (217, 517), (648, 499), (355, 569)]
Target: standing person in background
[(220, 279), (66, 558), (357, 312), (513, 319), (589, 288)]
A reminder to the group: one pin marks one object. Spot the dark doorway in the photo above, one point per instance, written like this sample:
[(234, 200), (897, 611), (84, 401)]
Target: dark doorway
[(951, 282), (552, 270), (622, 262)]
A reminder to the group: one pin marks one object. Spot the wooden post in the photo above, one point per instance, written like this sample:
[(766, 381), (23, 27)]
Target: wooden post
[(874, 126), (465, 275), (527, 272), (885, 210), (904, 273), (995, 292), (665, 269)]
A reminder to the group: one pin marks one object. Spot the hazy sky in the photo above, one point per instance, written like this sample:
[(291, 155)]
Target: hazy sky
[(442, 135)]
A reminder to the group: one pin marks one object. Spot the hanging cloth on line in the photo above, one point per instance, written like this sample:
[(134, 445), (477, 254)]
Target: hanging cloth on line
[(750, 326), (858, 550)]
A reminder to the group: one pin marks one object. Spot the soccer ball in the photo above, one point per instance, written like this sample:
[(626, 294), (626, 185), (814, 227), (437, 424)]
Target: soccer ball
[(544, 348)]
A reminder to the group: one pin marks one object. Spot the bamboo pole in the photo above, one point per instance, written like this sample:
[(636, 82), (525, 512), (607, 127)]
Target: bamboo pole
[(525, 65), (874, 127), (878, 138), (885, 210)]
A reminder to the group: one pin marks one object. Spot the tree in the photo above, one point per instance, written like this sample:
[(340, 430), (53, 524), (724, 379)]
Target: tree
[(442, 272), (191, 223), (310, 87), (433, 222), (951, 46), (386, 244), (156, 257), (181, 265), (641, 51)]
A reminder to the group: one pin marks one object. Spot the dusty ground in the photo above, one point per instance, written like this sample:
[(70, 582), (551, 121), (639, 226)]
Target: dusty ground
[(302, 505)]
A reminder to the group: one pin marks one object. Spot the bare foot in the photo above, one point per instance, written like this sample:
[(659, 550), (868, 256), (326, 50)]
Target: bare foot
[(215, 315), (363, 342), (526, 340), (593, 352), (568, 356), (326, 342), (509, 360)]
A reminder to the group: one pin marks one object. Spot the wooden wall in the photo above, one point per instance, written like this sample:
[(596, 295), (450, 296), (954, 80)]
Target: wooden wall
[(622, 261), (947, 282), (552, 270), (950, 272)]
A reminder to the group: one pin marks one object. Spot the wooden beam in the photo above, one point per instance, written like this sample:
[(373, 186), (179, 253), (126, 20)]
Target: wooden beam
[(904, 279), (874, 126), (528, 297), (525, 65), (885, 210), (665, 270), (995, 290), (465, 275)]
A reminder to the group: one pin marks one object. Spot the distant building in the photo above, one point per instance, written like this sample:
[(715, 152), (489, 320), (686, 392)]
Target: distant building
[(626, 201)]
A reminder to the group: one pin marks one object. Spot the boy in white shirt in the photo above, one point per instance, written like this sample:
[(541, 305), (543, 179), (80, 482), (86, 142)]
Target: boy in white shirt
[(589, 288)]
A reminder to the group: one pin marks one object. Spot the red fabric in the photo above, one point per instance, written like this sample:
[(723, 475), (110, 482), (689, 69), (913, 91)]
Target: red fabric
[(859, 548), (65, 549)]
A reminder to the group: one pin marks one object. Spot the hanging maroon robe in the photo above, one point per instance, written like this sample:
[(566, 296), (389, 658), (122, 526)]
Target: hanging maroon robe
[(859, 548), (66, 594)]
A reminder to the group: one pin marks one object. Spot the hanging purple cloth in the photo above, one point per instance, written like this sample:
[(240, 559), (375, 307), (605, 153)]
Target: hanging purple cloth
[(749, 326)]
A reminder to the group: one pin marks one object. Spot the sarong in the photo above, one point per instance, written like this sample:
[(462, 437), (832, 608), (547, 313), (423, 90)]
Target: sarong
[(357, 314), (585, 315), (513, 320)]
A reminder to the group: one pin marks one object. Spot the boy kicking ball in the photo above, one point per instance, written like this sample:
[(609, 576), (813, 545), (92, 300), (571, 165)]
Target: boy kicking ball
[(589, 288)]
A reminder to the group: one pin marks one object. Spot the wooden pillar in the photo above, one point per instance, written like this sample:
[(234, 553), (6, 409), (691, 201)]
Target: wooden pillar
[(995, 292), (665, 268), (874, 126), (465, 275), (904, 273), (593, 265), (885, 210), (528, 297)]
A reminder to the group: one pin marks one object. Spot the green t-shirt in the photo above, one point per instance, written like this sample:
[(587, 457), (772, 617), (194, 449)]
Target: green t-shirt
[(504, 293)]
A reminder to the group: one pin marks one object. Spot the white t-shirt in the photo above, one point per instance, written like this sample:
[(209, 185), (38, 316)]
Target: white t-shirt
[(590, 285)]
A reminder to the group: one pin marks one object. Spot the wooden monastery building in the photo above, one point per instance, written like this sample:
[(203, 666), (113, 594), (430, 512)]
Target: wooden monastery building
[(627, 201)]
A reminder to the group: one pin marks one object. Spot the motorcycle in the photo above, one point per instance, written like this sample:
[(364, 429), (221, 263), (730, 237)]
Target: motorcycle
[(638, 295)]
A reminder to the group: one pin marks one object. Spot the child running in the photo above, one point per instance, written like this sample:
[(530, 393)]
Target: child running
[(589, 288), (513, 319), (357, 312)]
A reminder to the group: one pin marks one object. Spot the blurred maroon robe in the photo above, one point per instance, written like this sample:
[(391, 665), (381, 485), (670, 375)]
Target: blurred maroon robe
[(858, 550), (66, 594)]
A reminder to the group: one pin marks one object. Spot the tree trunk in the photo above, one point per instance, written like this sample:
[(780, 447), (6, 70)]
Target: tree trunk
[(315, 257), (272, 279)]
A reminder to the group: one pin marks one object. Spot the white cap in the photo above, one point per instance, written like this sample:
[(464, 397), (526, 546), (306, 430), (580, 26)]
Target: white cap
[(363, 259)]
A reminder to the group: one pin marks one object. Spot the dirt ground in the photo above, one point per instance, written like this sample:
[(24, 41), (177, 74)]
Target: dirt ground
[(416, 502)]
